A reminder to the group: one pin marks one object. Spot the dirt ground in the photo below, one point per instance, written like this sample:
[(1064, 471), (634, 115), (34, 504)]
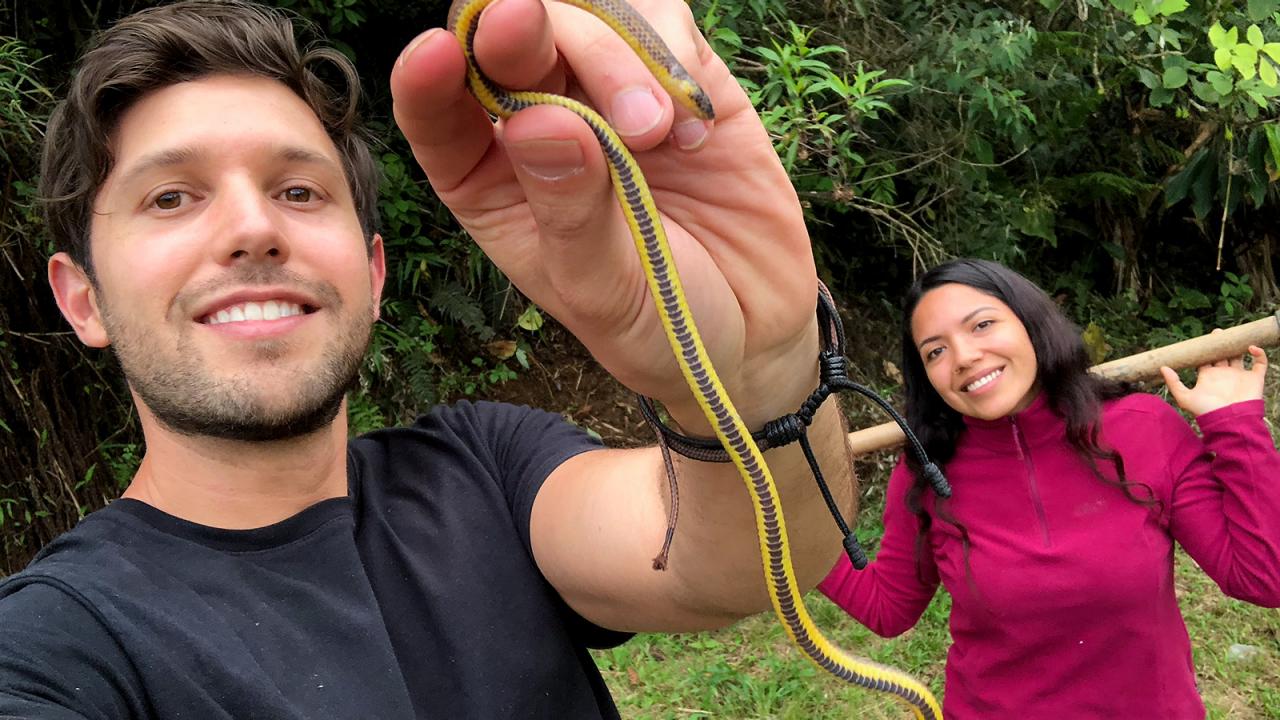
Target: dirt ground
[(564, 378)]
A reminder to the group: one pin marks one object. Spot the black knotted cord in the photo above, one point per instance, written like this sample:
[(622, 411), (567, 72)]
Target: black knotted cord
[(793, 427)]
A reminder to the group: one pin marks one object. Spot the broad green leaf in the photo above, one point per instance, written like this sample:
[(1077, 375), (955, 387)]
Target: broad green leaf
[(1233, 36), (728, 37), (982, 150), (1222, 57), (1172, 7), (1257, 188), (1179, 185), (1148, 78), (1272, 50), (1262, 9), (1220, 82), (1267, 73), (1124, 6), (1273, 141), (1254, 34), (530, 319), (1245, 59), (1217, 36), (1206, 93), (1140, 17), (1161, 97), (1175, 77)]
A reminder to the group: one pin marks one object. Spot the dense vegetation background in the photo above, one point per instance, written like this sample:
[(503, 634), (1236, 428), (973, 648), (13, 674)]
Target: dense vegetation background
[(1122, 153)]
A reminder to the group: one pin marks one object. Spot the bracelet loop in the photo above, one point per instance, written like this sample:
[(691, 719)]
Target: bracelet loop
[(792, 427)]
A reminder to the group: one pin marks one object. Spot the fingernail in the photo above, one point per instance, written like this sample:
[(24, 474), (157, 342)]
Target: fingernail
[(548, 159), (690, 134), (413, 45), (635, 111)]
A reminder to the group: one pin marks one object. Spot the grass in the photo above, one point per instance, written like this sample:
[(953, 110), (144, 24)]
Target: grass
[(749, 670)]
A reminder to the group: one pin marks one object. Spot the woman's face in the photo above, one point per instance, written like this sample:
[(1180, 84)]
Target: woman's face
[(975, 351)]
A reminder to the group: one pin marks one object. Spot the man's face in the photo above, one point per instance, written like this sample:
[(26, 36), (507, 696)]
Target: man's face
[(233, 279)]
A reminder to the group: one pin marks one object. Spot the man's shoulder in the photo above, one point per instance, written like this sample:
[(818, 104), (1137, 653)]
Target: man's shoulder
[(49, 595), (76, 556), (28, 598), (470, 418), (497, 436)]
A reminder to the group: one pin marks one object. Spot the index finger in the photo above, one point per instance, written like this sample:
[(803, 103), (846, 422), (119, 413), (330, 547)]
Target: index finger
[(446, 128)]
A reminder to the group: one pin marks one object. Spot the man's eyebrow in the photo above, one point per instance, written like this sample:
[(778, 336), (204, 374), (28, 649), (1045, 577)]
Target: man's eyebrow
[(159, 159), (296, 153), (181, 155), (963, 320)]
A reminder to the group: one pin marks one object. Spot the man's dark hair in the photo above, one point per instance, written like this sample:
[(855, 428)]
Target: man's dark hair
[(188, 40)]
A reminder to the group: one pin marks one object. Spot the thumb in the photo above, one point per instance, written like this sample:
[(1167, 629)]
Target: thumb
[(1259, 361), (1174, 383)]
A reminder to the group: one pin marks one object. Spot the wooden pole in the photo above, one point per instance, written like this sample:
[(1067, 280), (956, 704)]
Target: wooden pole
[(1144, 366)]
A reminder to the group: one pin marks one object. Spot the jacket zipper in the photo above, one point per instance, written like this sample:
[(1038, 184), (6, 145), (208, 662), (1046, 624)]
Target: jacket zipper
[(1024, 452)]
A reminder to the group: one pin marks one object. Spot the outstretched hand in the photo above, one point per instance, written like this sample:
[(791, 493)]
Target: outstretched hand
[(1219, 384), (534, 192)]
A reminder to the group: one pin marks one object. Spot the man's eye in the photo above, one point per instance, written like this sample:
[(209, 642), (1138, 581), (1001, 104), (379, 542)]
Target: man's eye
[(168, 201), (298, 194)]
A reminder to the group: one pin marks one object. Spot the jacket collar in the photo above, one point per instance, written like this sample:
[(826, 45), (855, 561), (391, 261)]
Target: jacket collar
[(1037, 424)]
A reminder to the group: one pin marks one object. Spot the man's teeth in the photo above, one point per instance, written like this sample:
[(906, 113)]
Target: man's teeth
[(982, 380), (269, 310)]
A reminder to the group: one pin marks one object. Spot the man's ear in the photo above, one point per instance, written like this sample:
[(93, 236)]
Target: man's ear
[(377, 273), (77, 300)]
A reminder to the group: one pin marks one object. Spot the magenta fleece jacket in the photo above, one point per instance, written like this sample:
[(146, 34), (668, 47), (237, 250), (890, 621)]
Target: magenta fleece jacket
[(1069, 609)]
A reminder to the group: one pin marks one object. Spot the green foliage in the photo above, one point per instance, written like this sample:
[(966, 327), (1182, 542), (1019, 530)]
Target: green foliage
[(1106, 145), (335, 15), (19, 90), (445, 309)]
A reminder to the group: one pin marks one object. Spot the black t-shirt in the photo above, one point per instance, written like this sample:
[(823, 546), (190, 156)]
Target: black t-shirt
[(415, 597)]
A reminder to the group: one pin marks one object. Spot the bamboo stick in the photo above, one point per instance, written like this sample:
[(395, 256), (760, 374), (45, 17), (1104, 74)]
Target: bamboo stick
[(1141, 367)]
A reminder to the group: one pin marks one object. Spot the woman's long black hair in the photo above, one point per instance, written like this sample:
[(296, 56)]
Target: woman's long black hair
[(1072, 392)]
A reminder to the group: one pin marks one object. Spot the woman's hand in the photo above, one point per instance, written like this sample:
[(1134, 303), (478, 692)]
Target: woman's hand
[(1219, 384)]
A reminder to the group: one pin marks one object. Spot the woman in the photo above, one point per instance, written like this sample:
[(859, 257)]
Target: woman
[(1069, 492)]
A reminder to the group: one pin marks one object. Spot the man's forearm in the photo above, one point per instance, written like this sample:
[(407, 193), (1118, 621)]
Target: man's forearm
[(716, 554)]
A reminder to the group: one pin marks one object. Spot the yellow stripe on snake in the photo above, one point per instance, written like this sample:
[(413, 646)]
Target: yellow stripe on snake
[(664, 284)]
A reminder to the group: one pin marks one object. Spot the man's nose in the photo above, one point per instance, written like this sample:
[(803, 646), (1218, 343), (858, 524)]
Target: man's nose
[(249, 227)]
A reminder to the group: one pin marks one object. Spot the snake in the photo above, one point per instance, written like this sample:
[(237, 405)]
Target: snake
[(673, 308)]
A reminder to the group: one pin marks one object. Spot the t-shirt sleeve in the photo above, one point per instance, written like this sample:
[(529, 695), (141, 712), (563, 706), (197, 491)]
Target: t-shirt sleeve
[(57, 661), (527, 445)]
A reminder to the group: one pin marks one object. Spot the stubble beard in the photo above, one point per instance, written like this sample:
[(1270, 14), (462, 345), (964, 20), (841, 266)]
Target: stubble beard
[(186, 398)]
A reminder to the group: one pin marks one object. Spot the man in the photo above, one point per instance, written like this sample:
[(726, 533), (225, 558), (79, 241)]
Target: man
[(215, 205)]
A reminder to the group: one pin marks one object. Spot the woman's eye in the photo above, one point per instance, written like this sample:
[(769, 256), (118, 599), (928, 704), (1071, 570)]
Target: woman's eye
[(933, 353), (169, 200), (298, 194), (984, 324)]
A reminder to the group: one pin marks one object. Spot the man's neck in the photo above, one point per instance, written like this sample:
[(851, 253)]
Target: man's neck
[(240, 485)]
